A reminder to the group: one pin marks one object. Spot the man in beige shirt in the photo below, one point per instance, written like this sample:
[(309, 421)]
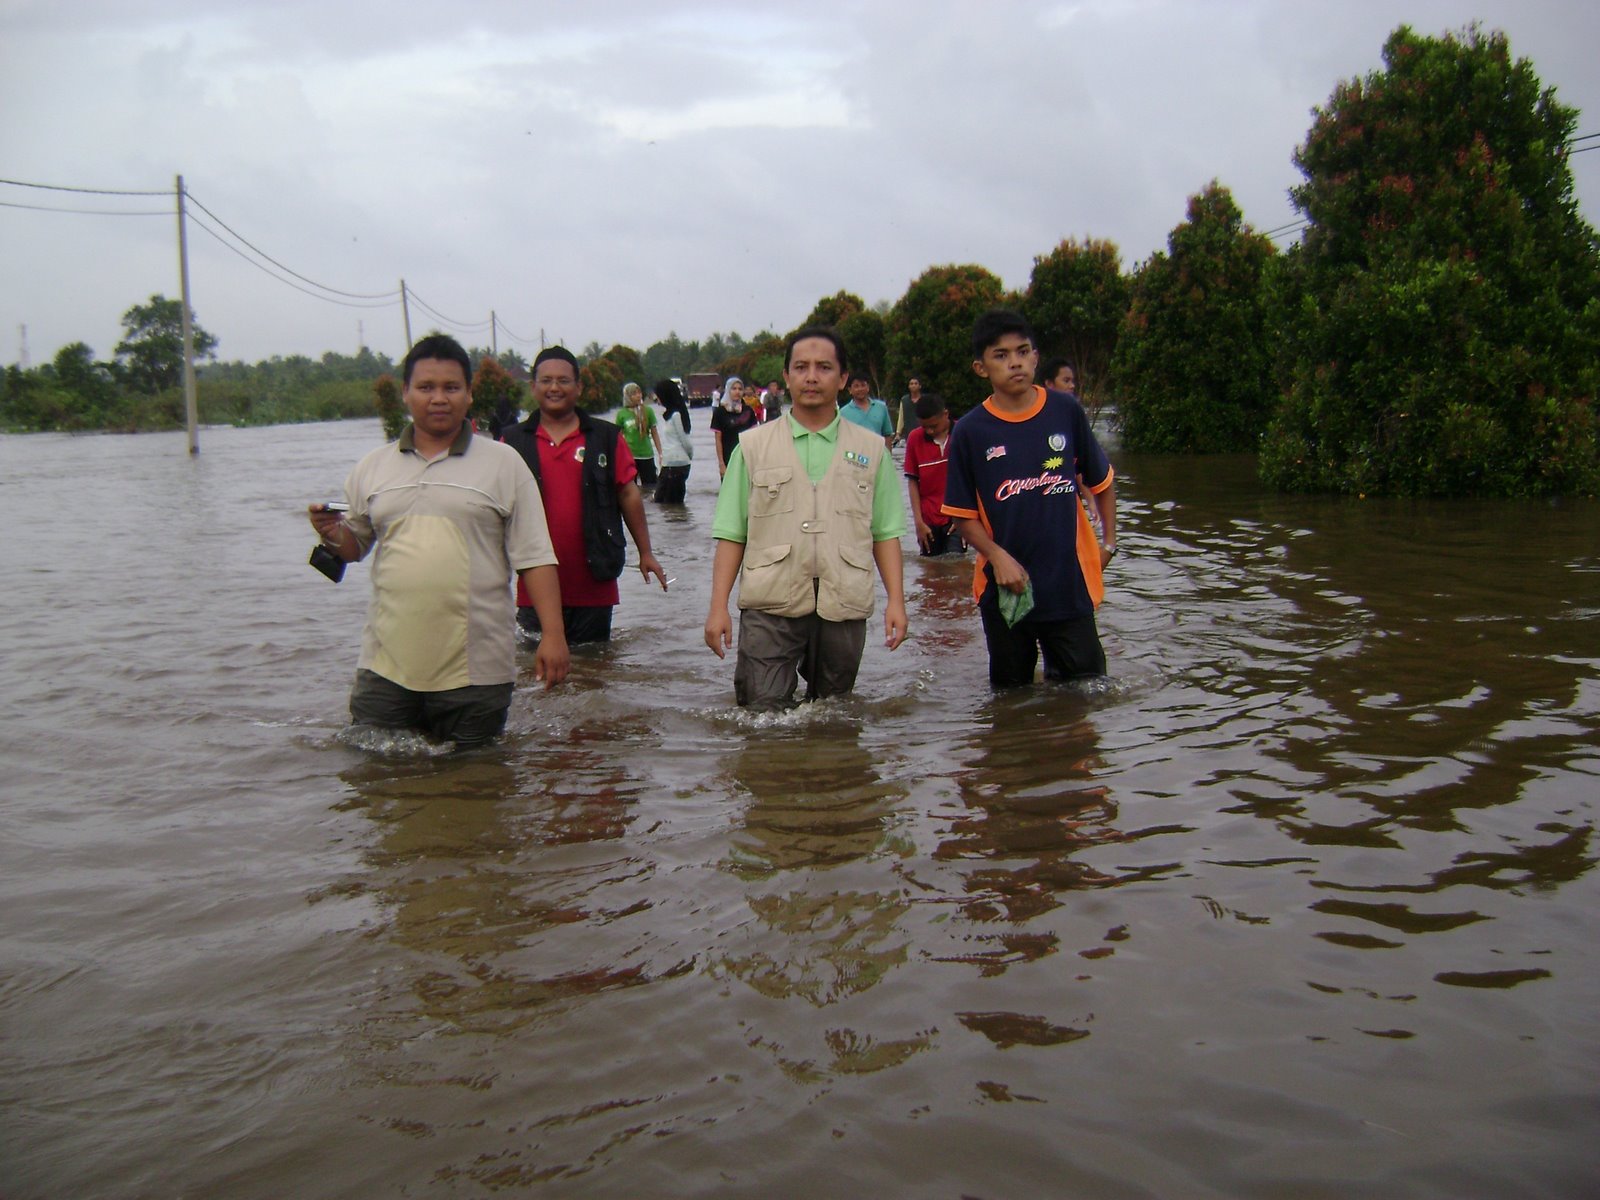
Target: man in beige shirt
[(449, 516)]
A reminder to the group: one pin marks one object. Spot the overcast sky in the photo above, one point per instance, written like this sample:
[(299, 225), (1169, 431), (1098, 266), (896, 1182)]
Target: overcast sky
[(615, 171)]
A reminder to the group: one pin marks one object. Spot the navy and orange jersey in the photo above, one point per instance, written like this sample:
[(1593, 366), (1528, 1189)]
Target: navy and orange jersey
[(1018, 475)]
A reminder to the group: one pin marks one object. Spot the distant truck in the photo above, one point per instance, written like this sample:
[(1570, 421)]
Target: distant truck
[(702, 387)]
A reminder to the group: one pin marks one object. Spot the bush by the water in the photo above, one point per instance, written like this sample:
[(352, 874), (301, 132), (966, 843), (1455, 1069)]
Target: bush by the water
[(1440, 326)]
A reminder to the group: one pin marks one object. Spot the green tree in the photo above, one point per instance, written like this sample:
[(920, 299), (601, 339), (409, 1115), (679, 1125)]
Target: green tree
[(92, 383), (864, 330), (492, 383), (1441, 325), (152, 344), (1076, 300), (391, 408), (670, 357), (760, 362), (600, 385), (629, 362), (929, 331), (1193, 367), (866, 340), (832, 310)]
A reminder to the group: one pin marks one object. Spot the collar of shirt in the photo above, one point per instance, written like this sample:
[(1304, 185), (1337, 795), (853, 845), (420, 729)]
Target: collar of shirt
[(408, 439), (814, 446)]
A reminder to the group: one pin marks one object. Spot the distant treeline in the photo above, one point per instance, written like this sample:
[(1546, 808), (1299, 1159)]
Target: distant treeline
[(1435, 331), (74, 393)]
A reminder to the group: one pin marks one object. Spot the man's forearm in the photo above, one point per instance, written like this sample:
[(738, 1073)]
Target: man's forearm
[(544, 590), (891, 569), (631, 502), (725, 563)]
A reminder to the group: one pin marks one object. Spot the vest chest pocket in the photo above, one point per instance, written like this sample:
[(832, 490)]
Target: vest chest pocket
[(770, 491), (856, 498)]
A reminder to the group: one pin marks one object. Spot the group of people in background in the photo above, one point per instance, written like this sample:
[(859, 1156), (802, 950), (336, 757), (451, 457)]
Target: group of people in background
[(808, 511), (663, 440)]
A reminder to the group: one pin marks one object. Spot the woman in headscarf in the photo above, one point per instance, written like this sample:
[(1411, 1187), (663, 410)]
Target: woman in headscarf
[(730, 420), (637, 420), (676, 451)]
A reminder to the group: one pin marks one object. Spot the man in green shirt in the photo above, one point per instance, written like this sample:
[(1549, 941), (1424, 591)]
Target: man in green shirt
[(808, 506)]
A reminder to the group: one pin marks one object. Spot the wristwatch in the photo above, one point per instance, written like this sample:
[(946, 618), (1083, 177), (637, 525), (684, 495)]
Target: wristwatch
[(1110, 549)]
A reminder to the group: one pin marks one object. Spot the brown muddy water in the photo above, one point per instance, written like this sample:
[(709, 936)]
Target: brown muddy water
[(1300, 903)]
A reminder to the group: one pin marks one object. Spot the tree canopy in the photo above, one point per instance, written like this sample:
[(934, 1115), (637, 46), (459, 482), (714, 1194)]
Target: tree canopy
[(151, 349), (1441, 318), (1075, 302), (1193, 366), (930, 331)]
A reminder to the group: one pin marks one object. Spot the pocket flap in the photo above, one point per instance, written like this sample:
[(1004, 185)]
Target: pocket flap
[(856, 557), (765, 556), (771, 478)]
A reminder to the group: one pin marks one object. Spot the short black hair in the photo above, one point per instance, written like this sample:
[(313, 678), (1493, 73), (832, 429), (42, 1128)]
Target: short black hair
[(814, 331), (1053, 366), (994, 325), (560, 353), (929, 404), (857, 377), (436, 345)]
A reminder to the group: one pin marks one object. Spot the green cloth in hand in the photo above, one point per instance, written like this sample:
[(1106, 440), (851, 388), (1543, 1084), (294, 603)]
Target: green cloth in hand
[(1016, 605)]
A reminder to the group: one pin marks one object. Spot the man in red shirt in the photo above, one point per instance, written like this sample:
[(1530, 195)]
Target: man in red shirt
[(925, 472), (586, 478)]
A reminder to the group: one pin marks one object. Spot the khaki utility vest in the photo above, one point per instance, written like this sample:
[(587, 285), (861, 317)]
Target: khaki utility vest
[(808, 546)]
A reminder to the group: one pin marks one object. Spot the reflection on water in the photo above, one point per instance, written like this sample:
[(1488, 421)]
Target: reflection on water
[(1298, 903)]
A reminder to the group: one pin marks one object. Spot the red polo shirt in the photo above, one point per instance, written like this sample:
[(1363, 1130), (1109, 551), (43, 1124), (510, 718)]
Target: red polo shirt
[(926, 463), (561, 469)]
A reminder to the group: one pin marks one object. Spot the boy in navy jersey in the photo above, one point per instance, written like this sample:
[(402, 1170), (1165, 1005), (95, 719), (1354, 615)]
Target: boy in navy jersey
[(1014, 463)]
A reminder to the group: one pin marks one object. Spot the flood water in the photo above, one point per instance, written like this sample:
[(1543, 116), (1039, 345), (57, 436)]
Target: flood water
[(1300, 903)]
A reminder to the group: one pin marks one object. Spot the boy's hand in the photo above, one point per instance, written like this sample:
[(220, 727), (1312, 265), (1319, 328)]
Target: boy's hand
[(924, 533), (1008, 572)]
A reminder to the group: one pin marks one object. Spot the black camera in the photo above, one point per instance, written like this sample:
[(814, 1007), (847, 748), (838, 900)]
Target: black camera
[(326, 561)]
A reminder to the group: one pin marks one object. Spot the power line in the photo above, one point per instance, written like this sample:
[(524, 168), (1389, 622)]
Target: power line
[(314, 295), (463, 326), (514, 337), (53, 187), (392, 293), (99, 212)]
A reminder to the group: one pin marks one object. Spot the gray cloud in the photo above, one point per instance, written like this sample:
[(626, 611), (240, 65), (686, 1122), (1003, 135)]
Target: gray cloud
[(618, 170)]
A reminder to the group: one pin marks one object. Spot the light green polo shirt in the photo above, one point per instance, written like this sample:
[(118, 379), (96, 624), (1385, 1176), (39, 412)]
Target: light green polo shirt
[(732, 520)]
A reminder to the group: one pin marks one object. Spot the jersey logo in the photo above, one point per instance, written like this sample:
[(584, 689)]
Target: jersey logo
[(1058, 442), (1054, 461), (577, 455), (994, 452), (1046, 483), (854, 459)]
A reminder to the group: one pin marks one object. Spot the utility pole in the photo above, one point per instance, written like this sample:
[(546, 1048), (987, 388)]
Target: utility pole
[(494, 334), (405, 310), (191, 405), (23, 357)]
